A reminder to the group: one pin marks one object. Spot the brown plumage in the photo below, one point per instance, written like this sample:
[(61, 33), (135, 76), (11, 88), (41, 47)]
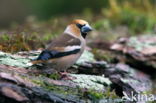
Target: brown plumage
[(64, 51), (63, 41)]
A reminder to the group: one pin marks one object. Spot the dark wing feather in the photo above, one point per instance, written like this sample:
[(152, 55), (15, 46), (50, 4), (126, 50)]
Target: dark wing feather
[(45, 55), (52, 54)]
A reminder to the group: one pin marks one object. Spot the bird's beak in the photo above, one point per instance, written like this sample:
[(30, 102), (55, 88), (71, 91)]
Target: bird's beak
[(86, 28)]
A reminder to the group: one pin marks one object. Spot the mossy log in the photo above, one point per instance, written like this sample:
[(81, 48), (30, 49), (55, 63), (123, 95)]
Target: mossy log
[(94, 80), (139, 52)]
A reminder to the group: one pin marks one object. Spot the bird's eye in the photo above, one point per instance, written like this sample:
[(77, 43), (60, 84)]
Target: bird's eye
[(80, 25)]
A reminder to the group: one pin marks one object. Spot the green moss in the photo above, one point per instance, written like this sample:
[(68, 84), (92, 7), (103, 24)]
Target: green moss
[(110, 94), (61, 89), (96, 96), (92, 94), (38, 82), (55, 88), (54, 76)]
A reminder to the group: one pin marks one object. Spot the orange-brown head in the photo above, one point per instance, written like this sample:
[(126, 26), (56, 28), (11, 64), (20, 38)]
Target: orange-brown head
[(78, 28)]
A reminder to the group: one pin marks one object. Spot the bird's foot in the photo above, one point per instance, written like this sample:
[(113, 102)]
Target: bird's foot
[(66, 76)]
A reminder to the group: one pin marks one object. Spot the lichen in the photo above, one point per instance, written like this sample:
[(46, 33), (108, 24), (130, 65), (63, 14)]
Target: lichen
[(91, 81), (86, 57), (144, 41), (13, 60)]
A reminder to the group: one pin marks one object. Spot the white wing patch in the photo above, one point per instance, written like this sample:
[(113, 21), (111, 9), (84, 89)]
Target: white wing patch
[(70, 40), (71, 48)]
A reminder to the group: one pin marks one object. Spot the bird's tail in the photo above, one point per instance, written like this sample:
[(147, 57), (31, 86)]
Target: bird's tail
[(34, 62)]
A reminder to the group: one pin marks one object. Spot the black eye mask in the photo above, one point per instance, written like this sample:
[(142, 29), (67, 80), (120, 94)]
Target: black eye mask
[(79, 26)]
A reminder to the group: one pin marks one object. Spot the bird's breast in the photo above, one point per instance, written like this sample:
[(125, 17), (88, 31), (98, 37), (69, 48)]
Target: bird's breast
[(67, 61)]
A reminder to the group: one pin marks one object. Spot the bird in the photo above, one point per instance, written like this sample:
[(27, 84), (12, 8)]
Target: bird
[(65, 50)]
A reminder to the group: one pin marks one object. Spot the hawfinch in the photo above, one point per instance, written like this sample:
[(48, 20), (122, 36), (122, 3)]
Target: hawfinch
[(64, 51)]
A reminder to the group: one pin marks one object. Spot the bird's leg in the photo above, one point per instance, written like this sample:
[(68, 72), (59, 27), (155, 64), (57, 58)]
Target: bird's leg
[(63, 73), (65, 76)]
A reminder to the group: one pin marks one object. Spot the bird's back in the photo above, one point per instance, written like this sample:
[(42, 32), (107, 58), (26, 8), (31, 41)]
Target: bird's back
[(63, 41)]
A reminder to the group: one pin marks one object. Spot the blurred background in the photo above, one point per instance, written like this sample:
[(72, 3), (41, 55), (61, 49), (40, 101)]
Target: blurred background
[(47, 18)]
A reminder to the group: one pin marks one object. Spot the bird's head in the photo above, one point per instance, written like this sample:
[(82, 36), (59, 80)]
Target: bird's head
[(79, 28)]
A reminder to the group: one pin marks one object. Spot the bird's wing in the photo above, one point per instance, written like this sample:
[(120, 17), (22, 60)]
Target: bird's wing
[(64, 41), (53, 54), (63, 46)]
